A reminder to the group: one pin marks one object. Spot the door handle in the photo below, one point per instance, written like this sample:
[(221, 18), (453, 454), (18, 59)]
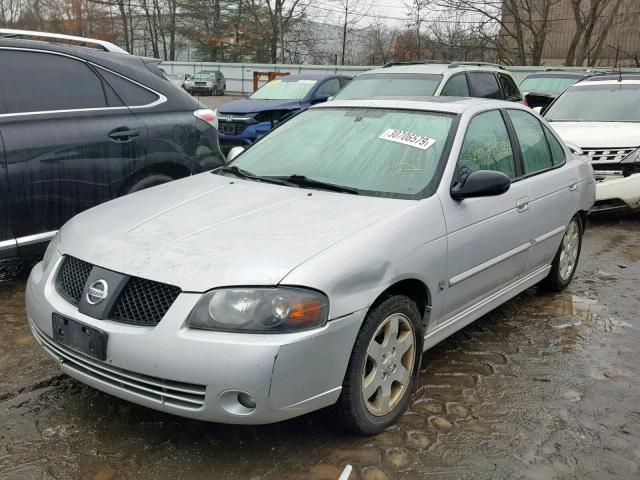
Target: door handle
[(522, 205), (123, 134), (573, 184)]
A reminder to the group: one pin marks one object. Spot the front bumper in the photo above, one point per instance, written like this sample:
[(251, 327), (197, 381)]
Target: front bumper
[(617, 193), (194, 373)]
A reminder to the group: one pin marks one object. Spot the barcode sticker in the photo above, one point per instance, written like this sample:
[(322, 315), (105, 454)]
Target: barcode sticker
[(407, 138)]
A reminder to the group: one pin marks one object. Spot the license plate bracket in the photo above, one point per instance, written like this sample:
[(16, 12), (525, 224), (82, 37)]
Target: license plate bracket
[(80, 337)]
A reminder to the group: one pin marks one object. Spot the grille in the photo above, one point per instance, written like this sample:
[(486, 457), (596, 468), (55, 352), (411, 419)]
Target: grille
[(231, 128), (72, 278), (607, 155), (162, 391), (143, 302)]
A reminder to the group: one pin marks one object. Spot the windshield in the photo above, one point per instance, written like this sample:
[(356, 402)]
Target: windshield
[(379, 152), (390, 85), (546, 84), (204, 76), (284, 90), (608, 101)]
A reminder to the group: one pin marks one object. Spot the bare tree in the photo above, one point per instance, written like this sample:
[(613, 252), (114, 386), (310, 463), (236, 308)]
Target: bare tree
[(416, 10), (519, 26), (351, 14), (594, 20)]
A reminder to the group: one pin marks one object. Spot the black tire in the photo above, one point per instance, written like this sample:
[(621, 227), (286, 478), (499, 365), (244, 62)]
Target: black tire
[(146, 181), (352, 407), (214, 92), (555, 281)]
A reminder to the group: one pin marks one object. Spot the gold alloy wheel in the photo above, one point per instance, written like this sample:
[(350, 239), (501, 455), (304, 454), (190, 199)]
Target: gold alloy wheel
[(569, 250), (389, 365)]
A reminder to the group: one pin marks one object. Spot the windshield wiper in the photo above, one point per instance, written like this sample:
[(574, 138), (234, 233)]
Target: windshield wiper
[(302, 181), (239, 172)]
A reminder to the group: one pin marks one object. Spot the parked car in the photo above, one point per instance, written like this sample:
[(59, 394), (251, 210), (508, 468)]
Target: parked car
[(80, 126), (242, 122), (419, 79), (318, 265), (601, 115), (206, 82), (541, 88), (179, 79)]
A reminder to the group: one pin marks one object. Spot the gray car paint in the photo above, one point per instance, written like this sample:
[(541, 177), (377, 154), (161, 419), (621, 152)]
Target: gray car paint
[(211, 231)]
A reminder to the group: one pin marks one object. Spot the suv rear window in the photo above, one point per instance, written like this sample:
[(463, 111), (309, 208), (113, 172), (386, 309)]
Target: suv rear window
[(390, 85), (509, 87), (28, 79), (484, 85)]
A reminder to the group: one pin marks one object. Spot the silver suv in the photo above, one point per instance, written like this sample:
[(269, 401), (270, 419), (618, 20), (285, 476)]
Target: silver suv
[(420, 79), (318, 265)]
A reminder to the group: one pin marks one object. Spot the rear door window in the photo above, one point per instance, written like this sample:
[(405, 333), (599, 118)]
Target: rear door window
[(484, 85), (40, 82), (557, 152), (456, 86), (533, 143), (509, 88)]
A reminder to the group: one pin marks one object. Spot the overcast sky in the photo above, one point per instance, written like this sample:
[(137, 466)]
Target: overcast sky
[(393, 9)]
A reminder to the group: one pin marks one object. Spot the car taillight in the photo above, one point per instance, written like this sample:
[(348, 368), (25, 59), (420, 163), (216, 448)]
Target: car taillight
[(525, 103), (208, 116)]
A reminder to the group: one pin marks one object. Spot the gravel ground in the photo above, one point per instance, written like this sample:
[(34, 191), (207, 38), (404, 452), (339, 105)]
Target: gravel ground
[(544, 387)]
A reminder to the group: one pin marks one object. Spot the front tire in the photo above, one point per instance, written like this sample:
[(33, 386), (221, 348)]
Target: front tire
[(146, 181), (383, 367), (564, 264)]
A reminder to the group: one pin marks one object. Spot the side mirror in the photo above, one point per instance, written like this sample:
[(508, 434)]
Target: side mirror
[(575, 149), (234, 152), (319, 99), (481, 183)]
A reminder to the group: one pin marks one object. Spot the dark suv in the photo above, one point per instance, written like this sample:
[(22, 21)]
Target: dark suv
[(80, 126)]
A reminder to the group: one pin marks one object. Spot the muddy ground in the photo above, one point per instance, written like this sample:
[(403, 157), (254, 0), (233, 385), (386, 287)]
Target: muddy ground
[(547, 386)]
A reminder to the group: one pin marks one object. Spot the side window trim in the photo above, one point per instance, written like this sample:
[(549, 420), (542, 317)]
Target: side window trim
[(515, 145), (521, 160), (161, 98)]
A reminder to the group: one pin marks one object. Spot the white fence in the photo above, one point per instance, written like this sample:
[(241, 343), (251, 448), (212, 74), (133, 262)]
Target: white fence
[(239, 76)]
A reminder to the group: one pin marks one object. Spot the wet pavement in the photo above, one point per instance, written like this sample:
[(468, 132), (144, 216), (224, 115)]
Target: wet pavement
[(546, 386)]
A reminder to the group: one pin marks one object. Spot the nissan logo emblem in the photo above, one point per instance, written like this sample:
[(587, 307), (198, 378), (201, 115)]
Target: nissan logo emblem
[(97, 291)]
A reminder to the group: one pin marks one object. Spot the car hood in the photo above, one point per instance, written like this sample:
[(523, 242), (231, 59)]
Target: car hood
[(210, 231), (255, 106), (599, 134)]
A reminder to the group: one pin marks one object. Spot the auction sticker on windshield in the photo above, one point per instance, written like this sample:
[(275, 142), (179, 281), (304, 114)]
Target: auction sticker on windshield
[(407, 138)]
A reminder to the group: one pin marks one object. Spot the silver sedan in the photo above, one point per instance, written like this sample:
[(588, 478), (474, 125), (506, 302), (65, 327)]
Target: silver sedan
[(317, 266)]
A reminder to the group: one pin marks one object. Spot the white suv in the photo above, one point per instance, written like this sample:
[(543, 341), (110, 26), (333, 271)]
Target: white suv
[(602, 116), (420, 79)]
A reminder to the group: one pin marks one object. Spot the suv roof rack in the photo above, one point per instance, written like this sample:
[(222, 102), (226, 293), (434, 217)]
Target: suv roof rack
[(476, 64), (33, 35), (414, 62)]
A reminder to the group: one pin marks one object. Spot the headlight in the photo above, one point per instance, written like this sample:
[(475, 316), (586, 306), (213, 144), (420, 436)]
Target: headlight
[(52, 251), (260, 310), (633, 157)]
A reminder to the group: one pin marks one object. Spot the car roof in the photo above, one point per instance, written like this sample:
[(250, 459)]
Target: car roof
[(455, 105), (436, 68), (559, 73)]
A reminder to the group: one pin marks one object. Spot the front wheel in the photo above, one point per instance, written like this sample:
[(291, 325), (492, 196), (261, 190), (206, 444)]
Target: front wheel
[(566, 260), (383, 366)]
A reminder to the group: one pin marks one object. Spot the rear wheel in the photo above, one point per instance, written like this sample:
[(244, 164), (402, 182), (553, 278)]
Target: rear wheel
[(383, 367), (147, 181), (566, 260)]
